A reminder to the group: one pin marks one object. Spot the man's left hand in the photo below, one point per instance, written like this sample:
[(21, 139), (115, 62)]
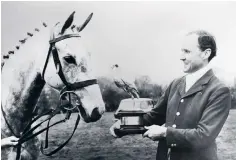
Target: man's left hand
[(155, 132)]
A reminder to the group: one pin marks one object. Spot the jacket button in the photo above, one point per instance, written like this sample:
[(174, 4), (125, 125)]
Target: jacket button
[(174, 125), (177, 113), (182, 100), (173, 145)]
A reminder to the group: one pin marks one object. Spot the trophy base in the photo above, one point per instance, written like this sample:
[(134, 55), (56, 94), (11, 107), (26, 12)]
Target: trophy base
[(129, 130)]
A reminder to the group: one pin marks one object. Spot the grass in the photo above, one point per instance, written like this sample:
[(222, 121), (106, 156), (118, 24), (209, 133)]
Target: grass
[(93, 142)]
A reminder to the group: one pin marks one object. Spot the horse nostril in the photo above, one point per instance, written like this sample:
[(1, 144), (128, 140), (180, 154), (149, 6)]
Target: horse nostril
[(95, 115)]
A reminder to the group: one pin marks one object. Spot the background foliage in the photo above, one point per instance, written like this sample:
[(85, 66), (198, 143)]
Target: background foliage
[(113, 95)]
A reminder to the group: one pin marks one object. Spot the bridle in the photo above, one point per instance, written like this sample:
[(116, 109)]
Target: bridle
[(69, 87), (68, 90), (53, 50)]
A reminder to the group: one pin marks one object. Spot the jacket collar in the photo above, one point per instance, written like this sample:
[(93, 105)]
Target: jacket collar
[(198, 85)]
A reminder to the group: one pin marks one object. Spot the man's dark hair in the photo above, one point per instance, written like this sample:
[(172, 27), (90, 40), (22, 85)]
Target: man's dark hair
[(205, 41)]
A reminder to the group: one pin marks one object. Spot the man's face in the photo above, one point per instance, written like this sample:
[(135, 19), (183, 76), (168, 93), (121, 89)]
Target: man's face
[(191, 56)]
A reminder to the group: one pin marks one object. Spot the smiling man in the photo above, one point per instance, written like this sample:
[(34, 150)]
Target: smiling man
[(194, 108)]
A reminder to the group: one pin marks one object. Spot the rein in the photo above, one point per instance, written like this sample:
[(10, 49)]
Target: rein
[(68, 90)]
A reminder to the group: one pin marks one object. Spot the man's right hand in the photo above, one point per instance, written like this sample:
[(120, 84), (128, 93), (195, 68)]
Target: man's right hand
[(116, 125)]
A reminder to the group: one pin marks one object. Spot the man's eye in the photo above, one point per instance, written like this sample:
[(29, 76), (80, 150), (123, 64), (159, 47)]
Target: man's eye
[(186, 51), (70, 59)]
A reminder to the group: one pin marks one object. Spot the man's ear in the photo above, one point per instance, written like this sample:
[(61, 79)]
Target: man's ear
[(206, 54)]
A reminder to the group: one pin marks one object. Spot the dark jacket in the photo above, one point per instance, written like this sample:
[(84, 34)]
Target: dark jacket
[(193, 119)]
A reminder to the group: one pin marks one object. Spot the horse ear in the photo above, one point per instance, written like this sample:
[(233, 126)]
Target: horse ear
[(80, 28), (68, 23)]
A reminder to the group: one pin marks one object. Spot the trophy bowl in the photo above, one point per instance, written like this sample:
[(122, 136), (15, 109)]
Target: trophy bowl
[(130, 112)]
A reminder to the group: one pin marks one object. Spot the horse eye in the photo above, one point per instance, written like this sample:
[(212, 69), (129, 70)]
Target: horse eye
[(70, 59)]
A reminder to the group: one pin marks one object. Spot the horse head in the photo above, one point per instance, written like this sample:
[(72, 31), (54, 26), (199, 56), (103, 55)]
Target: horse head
[(68, 67)]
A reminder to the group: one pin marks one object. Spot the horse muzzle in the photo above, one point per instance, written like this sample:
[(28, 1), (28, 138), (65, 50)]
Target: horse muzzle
[(93, 117)]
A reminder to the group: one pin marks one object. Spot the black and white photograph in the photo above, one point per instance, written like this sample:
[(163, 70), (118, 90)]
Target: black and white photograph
[(118, 80)]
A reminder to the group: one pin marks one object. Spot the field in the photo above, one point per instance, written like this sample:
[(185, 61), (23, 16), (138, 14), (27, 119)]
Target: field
[(93, 142)]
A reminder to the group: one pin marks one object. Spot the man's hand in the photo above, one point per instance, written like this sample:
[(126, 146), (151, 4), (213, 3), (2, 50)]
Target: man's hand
[(155, 132), (116, 125), (9, 141)]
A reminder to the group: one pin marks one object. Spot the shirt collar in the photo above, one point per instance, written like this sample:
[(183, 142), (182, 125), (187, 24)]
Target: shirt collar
[(191, 78)]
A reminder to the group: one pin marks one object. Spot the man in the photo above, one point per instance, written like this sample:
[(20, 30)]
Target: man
[(193, 108)]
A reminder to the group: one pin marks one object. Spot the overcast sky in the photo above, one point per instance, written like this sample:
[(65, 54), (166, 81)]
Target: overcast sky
[(144, 38)]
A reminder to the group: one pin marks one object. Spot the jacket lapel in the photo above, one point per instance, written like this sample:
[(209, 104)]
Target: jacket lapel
[(181, 87), (199, 85)]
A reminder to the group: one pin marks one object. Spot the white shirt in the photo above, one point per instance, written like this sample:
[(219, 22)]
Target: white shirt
[(192, 78)]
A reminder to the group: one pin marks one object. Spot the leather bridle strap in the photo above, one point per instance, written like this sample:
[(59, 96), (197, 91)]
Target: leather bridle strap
[(27, 133), (52, 44), (46, 62), (58, 65), (53, 50), (62, 145), (79, 85), (63, 37)]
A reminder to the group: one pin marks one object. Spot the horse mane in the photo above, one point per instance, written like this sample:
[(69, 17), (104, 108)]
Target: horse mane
[(5, 57)]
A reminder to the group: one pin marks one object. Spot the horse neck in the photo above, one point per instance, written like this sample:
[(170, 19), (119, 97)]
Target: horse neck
[(22, 82)]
